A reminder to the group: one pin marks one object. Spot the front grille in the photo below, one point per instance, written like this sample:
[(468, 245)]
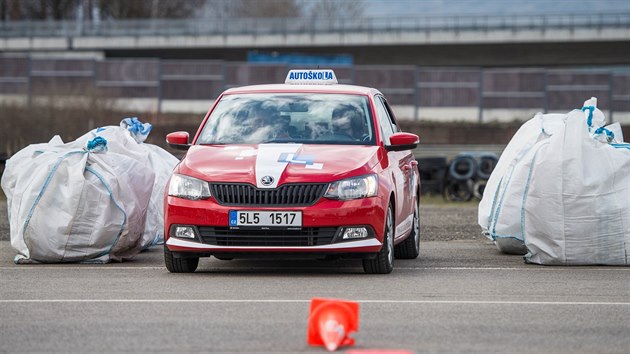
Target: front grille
[(308, 236), (286, 195)]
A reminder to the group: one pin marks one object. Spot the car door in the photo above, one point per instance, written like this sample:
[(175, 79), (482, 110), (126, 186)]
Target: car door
[(401, 165)]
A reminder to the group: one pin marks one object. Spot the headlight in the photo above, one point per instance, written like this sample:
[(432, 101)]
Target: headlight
[(188, 188), (353, 188)]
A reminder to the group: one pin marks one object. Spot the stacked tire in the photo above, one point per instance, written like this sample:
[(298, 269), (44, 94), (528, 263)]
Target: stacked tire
[(467, 175), (432, 172)]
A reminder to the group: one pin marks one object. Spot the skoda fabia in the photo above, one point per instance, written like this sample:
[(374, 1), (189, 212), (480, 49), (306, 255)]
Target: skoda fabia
[(309, 168)]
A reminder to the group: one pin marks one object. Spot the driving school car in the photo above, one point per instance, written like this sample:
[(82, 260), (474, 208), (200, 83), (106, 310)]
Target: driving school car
[(308, 169)]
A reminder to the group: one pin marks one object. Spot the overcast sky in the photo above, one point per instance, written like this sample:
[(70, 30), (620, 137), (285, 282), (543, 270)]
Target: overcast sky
[(492, 7)]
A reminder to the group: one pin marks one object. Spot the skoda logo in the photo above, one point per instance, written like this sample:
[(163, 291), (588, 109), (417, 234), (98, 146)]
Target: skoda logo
[(267, 180)]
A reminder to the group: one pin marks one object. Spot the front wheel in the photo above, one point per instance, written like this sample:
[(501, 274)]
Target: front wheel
[(179, 265), (410, 247), (383, 263)]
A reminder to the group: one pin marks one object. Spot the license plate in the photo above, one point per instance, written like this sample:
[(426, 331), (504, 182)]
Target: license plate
[(266, 219)]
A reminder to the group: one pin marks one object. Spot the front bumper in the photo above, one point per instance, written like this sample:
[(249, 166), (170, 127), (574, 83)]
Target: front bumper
[(323, 215), (366, 245)]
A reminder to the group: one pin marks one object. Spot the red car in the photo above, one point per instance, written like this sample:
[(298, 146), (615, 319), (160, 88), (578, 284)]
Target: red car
[(309, 168)]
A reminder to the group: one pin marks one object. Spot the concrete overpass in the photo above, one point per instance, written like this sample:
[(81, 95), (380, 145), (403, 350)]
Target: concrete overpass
[(485, 41)]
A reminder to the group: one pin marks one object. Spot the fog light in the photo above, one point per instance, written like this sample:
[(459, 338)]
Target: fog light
[(184, 232), (355, 232)]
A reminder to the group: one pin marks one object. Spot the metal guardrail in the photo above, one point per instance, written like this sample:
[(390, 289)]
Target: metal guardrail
[(313, 25)]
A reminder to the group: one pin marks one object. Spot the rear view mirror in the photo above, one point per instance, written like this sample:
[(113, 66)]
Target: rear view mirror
[(402, 141), (178, 140)]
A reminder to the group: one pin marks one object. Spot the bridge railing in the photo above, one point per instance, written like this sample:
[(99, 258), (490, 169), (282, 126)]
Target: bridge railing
[(314, 25)]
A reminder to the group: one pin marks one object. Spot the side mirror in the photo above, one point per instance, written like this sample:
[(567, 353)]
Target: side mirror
[(402, 141), (178, 140)]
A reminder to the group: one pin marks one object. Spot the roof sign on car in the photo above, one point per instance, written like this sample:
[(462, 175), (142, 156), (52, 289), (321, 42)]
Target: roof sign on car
[(311, 77)]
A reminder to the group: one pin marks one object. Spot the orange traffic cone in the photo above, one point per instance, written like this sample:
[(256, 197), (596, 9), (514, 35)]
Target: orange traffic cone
[(330, 321)]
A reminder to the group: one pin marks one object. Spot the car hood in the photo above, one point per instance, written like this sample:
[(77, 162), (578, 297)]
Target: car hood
[(278, 163)]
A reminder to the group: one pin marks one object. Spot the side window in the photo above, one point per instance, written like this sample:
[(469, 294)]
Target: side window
[(392, 118), (384, 120)]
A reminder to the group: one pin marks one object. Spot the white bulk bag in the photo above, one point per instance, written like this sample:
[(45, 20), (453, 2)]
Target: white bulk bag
[(162, 164), (561, 191), (128, 139), (500, 209), (577, 207), (69, 204)]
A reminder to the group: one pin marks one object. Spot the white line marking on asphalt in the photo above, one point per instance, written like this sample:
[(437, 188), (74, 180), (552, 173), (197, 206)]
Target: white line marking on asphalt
[(533, 267), (47, 266), (236, 268), (451, 302)]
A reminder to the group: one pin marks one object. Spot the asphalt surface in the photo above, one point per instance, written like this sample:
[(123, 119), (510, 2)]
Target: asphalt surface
[(460, 295)]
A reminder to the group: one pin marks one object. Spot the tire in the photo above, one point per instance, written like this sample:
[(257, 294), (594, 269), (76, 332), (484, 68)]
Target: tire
[(458, 191), (410, 247), (478, 188), (462, 168), (432, 168), (383, 263), (179, 265), (487, 163)]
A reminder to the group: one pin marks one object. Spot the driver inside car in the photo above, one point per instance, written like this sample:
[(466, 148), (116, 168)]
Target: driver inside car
[(348, 122), (258, 122)]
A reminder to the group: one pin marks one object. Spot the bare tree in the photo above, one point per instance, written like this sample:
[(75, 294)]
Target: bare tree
[(38, 9), (331, 9), (270, 8), (121, 9), (217, 9), (129, 9), (253, 8), (334, 9), (4, 10)]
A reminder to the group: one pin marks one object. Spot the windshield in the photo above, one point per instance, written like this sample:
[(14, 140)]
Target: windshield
[(289, 117)]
